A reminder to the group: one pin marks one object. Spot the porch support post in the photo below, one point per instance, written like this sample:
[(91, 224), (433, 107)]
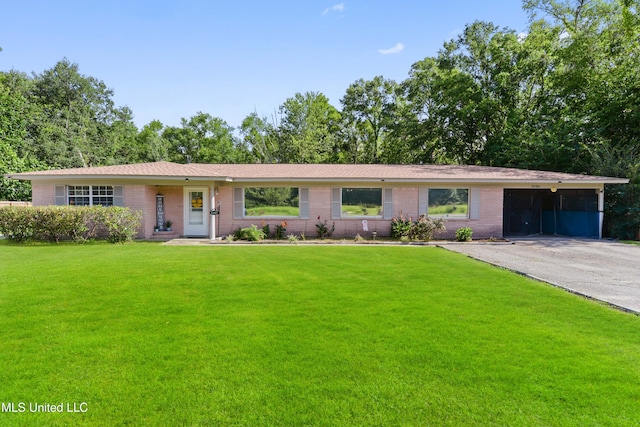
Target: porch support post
[(600, 210), (212, 206)]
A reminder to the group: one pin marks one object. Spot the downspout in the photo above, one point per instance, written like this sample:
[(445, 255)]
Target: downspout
[(600, 211)]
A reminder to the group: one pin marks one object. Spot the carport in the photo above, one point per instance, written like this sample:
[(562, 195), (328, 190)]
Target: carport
[(560, 212)]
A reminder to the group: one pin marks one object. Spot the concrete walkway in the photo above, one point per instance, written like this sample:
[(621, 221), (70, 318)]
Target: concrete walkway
[(598, 269)]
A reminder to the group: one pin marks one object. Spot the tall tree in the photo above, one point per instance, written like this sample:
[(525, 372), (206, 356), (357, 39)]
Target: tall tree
[(307, 130), (466, 101), (151, 146), (76, 110), (202, 139), (367, 113), (261, 139), (14, 111)]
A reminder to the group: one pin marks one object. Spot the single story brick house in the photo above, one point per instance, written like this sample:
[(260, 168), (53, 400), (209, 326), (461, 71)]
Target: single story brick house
[(213, 200)]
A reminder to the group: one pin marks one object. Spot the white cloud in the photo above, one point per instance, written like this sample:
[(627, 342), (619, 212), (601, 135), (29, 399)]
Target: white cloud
[(399, 47), (335, 8)]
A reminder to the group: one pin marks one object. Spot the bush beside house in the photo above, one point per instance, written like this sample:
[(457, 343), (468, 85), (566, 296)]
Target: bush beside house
[(79, 224)]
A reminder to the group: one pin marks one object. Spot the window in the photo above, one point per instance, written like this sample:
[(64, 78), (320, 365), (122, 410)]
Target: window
[(90, 195), (271, 201), (102, 195), (79, 195), (358, 202), (449, 202)]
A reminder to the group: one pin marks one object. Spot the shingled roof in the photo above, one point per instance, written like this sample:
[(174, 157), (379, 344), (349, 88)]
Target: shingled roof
[(315, 172)]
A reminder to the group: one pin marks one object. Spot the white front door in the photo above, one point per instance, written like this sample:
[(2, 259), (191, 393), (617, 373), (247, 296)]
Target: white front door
[(196, 211)]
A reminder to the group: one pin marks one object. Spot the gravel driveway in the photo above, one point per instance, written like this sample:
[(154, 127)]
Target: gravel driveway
[(600, 269)]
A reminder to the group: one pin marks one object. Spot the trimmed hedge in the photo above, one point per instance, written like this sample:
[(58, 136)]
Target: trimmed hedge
[(79, 224)]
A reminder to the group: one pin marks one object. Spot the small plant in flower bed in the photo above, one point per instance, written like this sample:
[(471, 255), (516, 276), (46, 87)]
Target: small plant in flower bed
[(281, 230), (464, 234), (323, 230), (421, 229), (400, 227), (252, 234)]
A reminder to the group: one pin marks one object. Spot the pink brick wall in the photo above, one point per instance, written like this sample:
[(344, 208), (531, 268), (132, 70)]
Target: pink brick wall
[(143, 197), (42, 195), (405, 202), (490, 222)]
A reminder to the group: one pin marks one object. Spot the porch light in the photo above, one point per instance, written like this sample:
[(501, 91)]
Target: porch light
[(554, 189)]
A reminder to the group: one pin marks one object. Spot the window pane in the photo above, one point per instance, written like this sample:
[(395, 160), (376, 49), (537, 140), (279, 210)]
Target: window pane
[(271, 201), (449, 202), (361, 202), (196, 213)]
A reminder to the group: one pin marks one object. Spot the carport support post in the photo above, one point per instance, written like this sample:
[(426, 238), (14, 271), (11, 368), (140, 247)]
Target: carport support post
[(212, 225), (600, 210)]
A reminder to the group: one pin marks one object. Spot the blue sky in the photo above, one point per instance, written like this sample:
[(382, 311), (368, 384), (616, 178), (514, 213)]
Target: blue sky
[(170, 59)]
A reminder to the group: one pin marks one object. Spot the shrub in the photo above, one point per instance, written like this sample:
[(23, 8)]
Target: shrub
[(323, 230), (121, 223), (400, 227), (464, 234), (252, 234), (56, 223), (16, 223), (422, 228), (281, 230)]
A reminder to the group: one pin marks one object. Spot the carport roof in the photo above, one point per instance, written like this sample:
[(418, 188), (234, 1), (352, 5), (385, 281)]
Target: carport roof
[(316, 172)]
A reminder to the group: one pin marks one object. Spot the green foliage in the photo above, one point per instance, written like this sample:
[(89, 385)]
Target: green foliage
[(122, 223), (201, 139), (323, 230), (400, 227), (422, 229), (281, 230), (252, 234), (464, 234), (367, 116), (17, 223), (308, 129), (56, 223)]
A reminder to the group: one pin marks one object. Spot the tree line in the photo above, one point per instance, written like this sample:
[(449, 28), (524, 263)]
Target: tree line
[(564, 96)]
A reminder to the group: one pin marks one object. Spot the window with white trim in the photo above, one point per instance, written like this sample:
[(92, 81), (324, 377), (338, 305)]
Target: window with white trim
[(90, 195), (449, 203), (270, 202), (359, 202)]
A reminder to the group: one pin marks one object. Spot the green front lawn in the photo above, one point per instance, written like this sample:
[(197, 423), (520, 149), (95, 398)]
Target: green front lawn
[(148, 334)]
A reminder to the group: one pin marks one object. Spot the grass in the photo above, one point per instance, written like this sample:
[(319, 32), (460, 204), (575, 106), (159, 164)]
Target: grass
[(147, 334)]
